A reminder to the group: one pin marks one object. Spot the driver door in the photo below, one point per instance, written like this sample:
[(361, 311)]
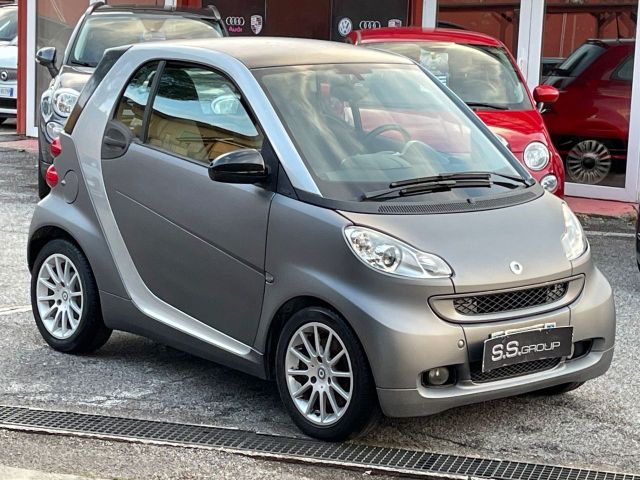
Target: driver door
[(198, 245)]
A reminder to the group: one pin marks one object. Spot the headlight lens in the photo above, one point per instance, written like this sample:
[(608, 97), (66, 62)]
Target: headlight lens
[(389, 255), (573, 239), (64, 99), (536, 156), (45, 105), (54, 129), (550, 183)]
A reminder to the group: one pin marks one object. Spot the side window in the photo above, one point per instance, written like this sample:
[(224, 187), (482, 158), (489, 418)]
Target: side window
[(134, 100), (624, 71), (199, 114)]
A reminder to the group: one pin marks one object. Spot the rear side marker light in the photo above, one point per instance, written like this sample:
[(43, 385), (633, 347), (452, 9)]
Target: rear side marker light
[(51, 177), (56, 147)]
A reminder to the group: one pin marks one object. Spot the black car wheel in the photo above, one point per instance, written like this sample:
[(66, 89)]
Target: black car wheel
[(324, 377)]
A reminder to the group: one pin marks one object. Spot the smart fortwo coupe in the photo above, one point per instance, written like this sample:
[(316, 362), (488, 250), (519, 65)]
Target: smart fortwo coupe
[(224, 198)]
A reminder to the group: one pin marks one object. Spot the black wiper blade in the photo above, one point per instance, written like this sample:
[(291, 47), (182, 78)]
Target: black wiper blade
[(486, 105), (427, 187), (82, 64), (442, 176)]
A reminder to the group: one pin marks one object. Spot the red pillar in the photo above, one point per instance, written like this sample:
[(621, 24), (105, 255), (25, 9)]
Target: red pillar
[(415, 13), (21, 121), (190, 3)]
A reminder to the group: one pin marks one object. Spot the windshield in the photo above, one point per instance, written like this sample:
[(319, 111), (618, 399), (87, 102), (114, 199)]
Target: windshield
[(359, 127), (8, 23), (107, 31), (579, 60), (478, 74)]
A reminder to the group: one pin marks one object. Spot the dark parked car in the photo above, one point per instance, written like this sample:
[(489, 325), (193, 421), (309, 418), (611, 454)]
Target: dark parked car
[(589, 124), (103, 27)]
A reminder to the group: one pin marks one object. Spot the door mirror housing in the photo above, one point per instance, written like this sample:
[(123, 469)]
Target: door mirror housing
[(47, 58), (545, 94), (240, 166)]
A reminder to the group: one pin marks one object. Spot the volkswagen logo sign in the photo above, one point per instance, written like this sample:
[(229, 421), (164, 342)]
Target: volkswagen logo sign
[(4, 75), (235, 21), (369, 24), (515, 267), (345, 25)]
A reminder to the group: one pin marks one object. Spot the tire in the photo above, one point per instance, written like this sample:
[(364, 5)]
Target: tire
[(560, 389), (342, 418), (85, 330), (43, 188)]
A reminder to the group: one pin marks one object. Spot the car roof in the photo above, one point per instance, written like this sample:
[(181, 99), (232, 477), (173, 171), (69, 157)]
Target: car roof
[(261, 52), (399, 34)]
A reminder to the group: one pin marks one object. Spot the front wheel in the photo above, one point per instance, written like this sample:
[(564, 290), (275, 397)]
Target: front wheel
[(588, 162), (324, 377), (65, 300)]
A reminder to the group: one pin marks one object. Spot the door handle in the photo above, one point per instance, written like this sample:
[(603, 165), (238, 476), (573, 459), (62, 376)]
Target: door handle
[(115, 142)]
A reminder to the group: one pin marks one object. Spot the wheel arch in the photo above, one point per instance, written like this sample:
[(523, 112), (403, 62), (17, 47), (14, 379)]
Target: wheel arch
[(44, 235), (280, 318)]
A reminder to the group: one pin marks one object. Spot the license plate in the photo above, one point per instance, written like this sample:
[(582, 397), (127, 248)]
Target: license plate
[(6, 92), (526, 346)]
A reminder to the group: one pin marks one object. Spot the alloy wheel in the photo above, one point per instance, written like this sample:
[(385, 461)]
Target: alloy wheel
[(588, 162), (59, 296), (319, 373)]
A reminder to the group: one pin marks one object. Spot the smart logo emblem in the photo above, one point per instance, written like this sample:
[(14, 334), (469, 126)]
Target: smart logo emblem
[(513, 349), (4, 76), (516, 268)]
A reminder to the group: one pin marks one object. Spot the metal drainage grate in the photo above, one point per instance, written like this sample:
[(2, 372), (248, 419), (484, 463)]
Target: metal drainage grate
[(286, 448)]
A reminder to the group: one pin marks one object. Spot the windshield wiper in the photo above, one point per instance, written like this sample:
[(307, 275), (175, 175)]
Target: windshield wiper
[(486, 105), (443, 182)]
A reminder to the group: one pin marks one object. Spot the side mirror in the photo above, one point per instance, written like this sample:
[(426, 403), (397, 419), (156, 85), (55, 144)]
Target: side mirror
[(545, 94), (239, 166), (47, 58)]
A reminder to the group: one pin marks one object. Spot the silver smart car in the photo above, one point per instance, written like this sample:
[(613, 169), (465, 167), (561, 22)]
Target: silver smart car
[(327, 216)]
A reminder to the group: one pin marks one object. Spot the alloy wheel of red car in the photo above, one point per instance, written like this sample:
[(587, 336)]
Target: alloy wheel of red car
[(588, 162)]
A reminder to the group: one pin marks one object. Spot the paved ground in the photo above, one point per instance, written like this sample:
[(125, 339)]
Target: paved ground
[(595, 426)]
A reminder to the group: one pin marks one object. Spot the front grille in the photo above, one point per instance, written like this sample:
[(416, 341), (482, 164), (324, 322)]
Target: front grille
[(8, 103), (510, 371), (508, 301), (11, 75)]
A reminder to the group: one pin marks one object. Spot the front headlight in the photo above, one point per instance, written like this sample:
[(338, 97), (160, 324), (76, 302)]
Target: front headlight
[(389, 255), (573, 239), (536, 156), (64, 99)]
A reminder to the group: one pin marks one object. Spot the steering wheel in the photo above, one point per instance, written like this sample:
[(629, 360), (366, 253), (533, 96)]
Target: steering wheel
[(406, 136)]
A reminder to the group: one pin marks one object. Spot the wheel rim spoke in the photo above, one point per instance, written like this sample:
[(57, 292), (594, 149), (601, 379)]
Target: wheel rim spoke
[(59, 296), (320, 384)]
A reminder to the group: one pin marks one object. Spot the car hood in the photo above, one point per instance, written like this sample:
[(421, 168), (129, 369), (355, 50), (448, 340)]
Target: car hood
[(518, 127), (73, 77), (480, 245), (8, 56)]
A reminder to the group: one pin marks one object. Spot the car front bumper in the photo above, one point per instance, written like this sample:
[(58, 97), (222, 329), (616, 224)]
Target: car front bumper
[(592, 316)]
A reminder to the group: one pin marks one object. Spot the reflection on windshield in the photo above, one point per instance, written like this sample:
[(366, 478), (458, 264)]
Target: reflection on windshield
[(103, 32), (361, 127), (8, 23), (478, 74)]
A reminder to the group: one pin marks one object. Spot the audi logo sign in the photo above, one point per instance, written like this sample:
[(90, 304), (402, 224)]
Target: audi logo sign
[(369, 24), (235, 21)]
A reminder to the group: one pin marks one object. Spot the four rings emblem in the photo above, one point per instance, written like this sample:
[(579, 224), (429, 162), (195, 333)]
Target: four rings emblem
[(4, 75), (235, 21), (370, 24)]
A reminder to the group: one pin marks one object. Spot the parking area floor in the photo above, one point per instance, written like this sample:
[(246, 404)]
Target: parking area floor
[(597, 426)]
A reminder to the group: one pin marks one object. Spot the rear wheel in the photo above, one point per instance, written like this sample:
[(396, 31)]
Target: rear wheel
[(324, 377), (588, 162), (65, 300)]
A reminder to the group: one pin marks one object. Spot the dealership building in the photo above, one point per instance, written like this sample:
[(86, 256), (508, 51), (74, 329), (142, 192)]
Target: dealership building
[(539, 34)]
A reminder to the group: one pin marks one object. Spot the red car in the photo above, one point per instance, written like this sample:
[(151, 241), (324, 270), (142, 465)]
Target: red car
[(482, 72), (590, 121)]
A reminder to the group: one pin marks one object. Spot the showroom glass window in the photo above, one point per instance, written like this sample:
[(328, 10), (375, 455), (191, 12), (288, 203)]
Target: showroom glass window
[(587, 54), (199, 114)]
